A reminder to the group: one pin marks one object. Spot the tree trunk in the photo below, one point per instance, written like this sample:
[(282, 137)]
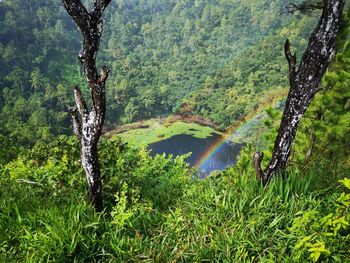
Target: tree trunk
[(304, 84), (88, 123), (89, 159)]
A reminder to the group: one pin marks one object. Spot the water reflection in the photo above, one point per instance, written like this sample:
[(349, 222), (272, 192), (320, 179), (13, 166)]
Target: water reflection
[(203, 151)]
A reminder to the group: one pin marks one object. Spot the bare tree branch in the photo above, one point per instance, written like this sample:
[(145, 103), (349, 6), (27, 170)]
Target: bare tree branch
[(99, 6), (78, 12), (75, 120), (104, 74), (258, 157), (80, 101), (292, 59), (305, 7)]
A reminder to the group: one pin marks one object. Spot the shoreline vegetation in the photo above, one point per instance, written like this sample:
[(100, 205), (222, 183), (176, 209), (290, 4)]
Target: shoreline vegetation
[(145, 132), (150, 131), (166, 121)]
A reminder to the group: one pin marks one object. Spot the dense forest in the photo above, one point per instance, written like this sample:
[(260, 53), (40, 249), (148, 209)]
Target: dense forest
[(170, 56), (217, 60)]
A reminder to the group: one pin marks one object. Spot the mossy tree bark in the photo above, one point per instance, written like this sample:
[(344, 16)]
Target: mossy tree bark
[(304, 84), (88, 123)]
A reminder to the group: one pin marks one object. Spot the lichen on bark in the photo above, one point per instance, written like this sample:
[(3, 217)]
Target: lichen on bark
[(304, 84), (88, 123)]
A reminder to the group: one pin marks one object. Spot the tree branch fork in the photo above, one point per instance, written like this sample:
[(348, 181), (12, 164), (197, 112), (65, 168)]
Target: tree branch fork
[(88, 123), (90, 25), (304, 84)]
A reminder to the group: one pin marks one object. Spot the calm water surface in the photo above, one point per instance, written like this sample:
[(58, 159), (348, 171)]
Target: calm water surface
[(220, 159)]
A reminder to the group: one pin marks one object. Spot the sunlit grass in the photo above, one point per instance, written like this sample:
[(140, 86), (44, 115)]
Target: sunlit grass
[(156, 212), (154, 130)]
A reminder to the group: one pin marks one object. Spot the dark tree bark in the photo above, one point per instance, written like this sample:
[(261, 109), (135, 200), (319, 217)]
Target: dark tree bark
[(88, 123), (304, 84)]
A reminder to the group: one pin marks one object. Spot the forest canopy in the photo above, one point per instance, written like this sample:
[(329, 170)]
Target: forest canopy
[(208, 58)]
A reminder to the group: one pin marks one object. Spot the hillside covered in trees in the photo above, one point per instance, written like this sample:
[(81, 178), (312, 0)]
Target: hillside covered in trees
[(187, 57), (218, 61)]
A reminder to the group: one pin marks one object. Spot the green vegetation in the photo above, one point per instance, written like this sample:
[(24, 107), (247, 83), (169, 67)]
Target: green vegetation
[(218, 59), (166, 56), (156, 130), (156, 212)]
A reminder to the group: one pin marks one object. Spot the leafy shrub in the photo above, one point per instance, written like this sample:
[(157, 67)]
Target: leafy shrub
[(325, 236)]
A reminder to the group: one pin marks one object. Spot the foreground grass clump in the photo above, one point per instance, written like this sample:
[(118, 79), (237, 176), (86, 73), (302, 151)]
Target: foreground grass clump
[(155, 211)]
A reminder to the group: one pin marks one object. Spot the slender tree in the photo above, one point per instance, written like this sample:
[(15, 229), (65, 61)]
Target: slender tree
[(88, 123), (304, 84)]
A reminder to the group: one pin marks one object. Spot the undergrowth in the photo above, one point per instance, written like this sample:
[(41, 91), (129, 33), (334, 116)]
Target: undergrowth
[(156, 211)]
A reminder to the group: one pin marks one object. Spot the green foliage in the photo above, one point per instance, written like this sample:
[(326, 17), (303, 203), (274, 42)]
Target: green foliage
[(185, 56), (325, 236), (34, 53), (44, 214), (155, 211), (163, 54)]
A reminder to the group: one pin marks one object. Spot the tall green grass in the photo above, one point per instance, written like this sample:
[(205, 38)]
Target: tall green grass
[(160, 214)]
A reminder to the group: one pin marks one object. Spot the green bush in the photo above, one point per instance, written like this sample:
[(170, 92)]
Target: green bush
[(325, 235)]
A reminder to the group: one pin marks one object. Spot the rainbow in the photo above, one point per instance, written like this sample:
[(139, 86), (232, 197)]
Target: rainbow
[(216, 147)]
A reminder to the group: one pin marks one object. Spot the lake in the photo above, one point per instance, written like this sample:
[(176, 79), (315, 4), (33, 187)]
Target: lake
[(208, 154)]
